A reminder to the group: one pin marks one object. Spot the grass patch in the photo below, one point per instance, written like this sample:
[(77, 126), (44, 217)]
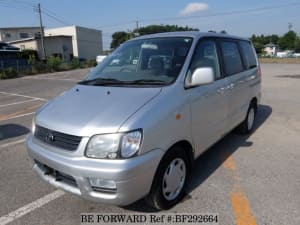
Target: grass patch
[(53, 64), (280, 60)]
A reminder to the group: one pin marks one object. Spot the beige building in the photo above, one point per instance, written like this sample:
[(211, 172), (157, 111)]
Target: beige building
[(59, 45), (87, 42), (271, 49), (8, 34)]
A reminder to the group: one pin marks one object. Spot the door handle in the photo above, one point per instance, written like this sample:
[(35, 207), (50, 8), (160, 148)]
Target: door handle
[(221, 90), (231, 86)]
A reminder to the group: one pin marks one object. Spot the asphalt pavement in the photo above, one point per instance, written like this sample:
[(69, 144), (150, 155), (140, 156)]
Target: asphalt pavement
[(246, 180)]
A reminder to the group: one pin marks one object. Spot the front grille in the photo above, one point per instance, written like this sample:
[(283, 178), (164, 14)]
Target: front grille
[(59, 176), (57, 139)]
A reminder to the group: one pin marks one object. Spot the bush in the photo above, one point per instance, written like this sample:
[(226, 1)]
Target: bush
[(91, 63), (41, 67), (54, 63), (75, 63), (27, 53), (8, 73)]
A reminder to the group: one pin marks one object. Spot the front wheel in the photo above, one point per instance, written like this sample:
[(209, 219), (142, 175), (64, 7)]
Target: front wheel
[(170, 180)]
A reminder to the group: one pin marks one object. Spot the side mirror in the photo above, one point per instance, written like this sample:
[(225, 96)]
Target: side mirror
[(201, 76)]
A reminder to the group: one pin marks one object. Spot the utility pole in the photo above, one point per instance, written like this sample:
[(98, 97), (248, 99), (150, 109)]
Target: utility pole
[(41, 31), (137, 28), (137, 24), (290, 26)]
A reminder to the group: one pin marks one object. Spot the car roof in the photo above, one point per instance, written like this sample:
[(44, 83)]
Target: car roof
[(193, 34)]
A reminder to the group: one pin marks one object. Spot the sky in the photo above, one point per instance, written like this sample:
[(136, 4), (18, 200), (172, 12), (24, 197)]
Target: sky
[(242, 18)]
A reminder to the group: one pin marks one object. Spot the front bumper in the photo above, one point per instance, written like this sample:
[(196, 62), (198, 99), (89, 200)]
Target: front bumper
[(133, 177)]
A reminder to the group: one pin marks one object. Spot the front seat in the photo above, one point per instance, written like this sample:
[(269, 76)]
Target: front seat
[(156, 64)]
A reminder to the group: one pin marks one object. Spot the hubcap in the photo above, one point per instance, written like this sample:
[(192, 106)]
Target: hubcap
[(174, 179), (250, 121)]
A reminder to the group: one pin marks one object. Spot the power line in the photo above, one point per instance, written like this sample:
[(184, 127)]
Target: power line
[(47, 12), (15, 2), (23, 2), (228, 13), (55, 18), (225, 13), (3, 4), (117, 24)]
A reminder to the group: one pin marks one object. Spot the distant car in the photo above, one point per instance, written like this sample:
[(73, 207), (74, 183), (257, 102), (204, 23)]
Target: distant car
[(296, 55), (100, 58), (6, 47)]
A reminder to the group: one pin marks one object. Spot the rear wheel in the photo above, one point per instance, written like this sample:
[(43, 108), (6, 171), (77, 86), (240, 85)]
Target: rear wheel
[(247, 125), (170, 180)]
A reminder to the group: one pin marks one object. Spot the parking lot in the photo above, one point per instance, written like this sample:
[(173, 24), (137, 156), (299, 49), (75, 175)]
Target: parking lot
[(244, 179)]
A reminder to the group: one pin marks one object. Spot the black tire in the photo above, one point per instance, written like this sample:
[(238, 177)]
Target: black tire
[(244, 127), (157, 197)]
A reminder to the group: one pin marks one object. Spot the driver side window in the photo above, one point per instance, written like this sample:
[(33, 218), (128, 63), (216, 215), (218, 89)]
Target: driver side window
[(206, 56)]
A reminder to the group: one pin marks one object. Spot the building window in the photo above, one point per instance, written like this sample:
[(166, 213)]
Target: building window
[(37, 35), (24, 35), (7, 35)]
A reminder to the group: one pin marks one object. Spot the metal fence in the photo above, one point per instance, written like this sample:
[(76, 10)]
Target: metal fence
[(17, 64)]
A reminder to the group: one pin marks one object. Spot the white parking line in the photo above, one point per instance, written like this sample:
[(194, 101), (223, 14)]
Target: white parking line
[(25, 96), (16, 103), (12, 144), (14, 117), (30, 207)]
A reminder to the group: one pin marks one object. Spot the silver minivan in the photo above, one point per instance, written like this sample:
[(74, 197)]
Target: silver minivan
[(133, 127)]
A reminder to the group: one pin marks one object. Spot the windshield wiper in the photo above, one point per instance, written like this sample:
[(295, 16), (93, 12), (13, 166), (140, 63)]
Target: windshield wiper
[(111, 81), (101, 81), (145, 81)]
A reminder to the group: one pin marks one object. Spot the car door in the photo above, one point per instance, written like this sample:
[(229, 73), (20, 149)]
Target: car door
[(237, 77), (208, 103)]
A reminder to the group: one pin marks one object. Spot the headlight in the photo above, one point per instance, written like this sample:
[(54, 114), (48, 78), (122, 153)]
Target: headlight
[(112, 146), (33, 125), (103, 146)]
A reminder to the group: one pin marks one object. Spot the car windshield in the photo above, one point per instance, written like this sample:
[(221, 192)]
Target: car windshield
[(155, 61)]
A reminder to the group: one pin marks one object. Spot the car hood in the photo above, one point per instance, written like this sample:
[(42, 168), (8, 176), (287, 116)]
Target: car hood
[(88, 110)]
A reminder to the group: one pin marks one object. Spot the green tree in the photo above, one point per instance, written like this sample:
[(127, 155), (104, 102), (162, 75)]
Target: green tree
[(274, 38), (288, 41), (297, 45), (152, 29), (259, 47), (118, 38), (122, 36)]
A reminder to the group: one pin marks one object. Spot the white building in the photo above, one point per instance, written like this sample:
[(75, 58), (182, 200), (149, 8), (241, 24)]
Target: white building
[(271, 49), (285, 54), (8, 34), (59, 45), (87, 42)]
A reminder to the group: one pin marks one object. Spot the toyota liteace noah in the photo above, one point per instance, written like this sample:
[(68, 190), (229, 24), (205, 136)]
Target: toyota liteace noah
[(133, 127)]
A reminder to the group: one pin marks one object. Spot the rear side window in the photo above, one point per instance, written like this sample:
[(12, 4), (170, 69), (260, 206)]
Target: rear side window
[(231, 57), (248, 54)]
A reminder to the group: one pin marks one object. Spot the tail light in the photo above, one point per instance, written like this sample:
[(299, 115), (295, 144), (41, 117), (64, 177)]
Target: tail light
[(259, 70)]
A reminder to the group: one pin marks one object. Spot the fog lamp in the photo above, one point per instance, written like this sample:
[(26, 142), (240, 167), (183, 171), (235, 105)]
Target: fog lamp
[(101, 183)]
